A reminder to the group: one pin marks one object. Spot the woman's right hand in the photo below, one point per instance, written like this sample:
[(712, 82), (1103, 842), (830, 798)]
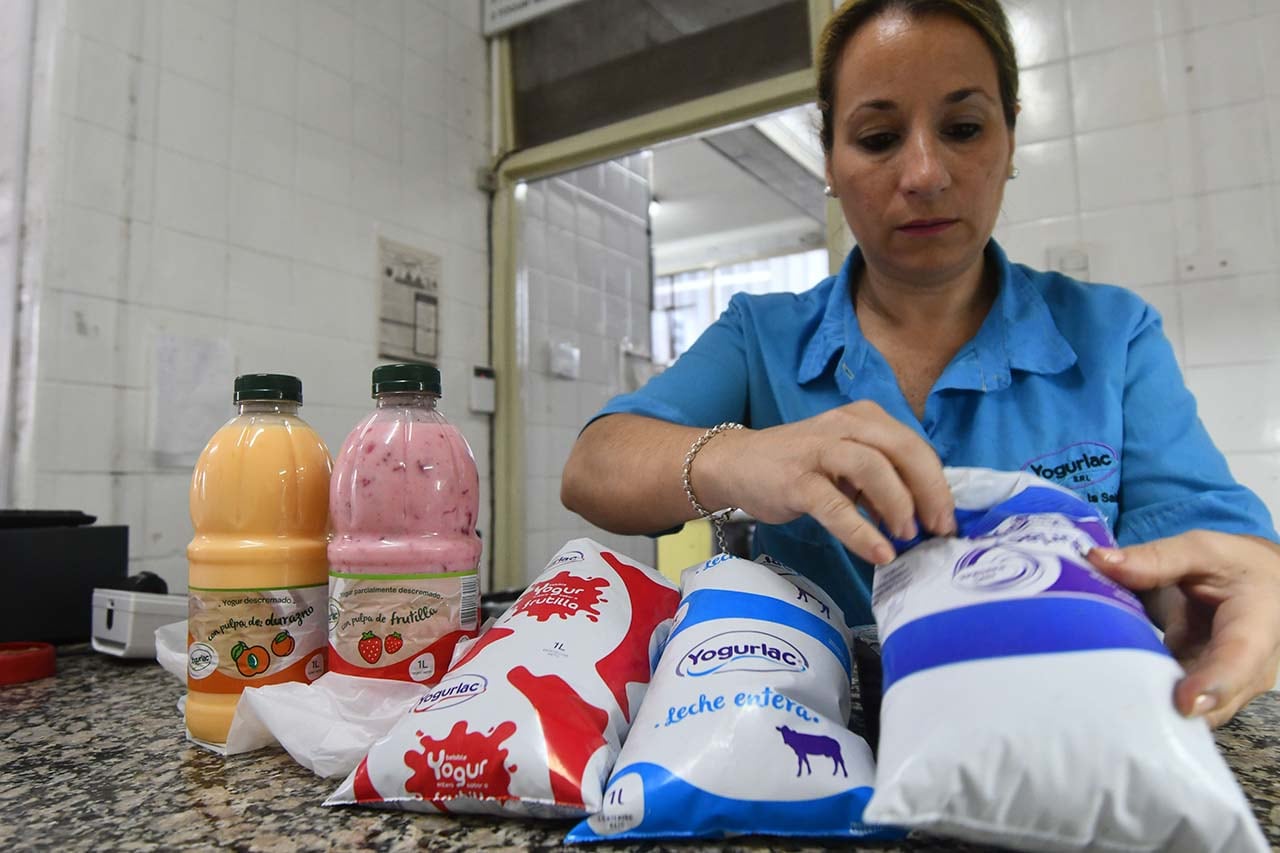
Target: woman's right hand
[(827, 466)]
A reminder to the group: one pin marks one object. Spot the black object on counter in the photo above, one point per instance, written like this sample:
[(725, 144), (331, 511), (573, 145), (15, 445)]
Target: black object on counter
[(15, 518), (494, 604), (142, 582), (49, 572), (866, 662)]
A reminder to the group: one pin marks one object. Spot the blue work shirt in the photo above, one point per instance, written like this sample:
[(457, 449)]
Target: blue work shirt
[(1075, 382)]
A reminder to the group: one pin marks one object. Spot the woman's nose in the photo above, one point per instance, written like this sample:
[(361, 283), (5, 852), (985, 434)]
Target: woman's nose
[(923, 171)]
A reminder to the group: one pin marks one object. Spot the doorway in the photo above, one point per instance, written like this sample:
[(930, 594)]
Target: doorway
[(621, 264)]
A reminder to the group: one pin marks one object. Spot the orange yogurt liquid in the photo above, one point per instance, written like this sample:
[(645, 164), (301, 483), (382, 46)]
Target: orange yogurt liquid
[(258, 572)]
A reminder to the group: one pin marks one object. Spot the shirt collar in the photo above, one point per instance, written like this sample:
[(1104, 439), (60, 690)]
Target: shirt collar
[(1019, 332)]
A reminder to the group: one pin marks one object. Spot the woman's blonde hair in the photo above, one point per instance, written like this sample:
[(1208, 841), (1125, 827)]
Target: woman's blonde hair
[(985, 16)]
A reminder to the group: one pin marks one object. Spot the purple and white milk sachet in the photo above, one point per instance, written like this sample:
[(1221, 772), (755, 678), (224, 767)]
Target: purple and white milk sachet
[(744, 727), (1028, 701)]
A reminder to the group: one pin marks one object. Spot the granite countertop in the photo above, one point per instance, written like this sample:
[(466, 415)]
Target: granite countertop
[(95, 759)]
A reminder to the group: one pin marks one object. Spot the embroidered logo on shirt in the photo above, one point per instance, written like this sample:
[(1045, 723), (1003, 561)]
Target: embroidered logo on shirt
[(1077, 466)]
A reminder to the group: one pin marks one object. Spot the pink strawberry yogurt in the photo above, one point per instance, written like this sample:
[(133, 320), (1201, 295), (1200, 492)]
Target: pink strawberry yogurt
[(403, 586)]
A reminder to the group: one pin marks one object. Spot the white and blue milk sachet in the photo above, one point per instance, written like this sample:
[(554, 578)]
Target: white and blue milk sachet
[(744, 727), (1028, 700)]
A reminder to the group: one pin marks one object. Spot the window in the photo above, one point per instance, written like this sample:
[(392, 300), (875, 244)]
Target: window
[(686, 303)]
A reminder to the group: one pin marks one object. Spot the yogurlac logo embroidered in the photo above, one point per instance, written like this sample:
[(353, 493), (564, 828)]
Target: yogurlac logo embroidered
[(742, 651), (1077, 466)]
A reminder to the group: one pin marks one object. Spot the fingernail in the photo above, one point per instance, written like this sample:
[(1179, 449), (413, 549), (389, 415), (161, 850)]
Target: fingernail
[(945, 524), (1204, 703), (908, 531), (1110, 556), (882, 554)]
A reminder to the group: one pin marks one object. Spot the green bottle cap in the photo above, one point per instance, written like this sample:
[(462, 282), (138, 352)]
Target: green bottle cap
[(406, 378), (268, 386)]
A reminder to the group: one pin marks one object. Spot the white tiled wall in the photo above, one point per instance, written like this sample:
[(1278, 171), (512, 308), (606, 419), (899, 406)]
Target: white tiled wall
[(1150, 135), (222, 170), (584, 279)]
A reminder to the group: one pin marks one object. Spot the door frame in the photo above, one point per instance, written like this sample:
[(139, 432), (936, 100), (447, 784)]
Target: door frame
[(511, 167)]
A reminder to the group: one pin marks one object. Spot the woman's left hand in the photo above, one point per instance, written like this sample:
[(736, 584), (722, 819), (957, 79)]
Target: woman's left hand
[(1217, 598)]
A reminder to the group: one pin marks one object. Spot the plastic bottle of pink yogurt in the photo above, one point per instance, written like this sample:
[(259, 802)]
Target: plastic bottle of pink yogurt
[(403, 585)]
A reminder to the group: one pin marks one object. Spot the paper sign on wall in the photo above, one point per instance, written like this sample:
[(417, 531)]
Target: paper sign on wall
[(409, 320), (193, 379)]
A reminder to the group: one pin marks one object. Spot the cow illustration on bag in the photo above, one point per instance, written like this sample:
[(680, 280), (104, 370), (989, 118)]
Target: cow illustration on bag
[(804, 745)]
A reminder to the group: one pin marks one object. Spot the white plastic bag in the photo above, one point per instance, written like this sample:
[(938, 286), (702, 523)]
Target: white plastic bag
[(171, 649), (327, 725), (530, 719), (1028, 700)]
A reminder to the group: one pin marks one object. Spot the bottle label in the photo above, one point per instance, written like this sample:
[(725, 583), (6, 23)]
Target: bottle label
[(238, 638), (402, 627)]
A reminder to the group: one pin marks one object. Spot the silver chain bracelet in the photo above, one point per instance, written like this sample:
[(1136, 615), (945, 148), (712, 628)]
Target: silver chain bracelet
[(717, 518)]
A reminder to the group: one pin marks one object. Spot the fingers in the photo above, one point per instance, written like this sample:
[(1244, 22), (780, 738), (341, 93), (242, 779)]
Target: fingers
[(1154, 564), (913, 461), (831, 508), (1224, 627), (1238, 663), (867, 477)]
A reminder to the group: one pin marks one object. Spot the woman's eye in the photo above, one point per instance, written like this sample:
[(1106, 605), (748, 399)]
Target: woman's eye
[(877, 141), (964, 130)]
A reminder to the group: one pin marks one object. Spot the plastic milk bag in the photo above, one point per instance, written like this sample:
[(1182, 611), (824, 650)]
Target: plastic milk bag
[(1028, 701), (744, 728)]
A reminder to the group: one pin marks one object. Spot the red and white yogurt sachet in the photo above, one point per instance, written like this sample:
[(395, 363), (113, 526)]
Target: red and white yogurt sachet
[(530, 719)]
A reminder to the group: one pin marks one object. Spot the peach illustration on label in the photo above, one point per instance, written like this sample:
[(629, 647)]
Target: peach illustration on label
[(282, 645), (250, 660)]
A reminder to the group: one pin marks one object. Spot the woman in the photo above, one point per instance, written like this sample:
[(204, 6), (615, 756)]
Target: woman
[(931, 347)]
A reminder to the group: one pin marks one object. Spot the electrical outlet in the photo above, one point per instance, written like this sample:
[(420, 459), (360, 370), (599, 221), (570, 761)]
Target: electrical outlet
[(566, 360), (1207, 265), (483, 391), (1072, 260)]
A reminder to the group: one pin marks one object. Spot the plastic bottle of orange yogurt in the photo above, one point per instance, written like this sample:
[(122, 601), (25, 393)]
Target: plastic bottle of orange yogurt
[(258, 573)]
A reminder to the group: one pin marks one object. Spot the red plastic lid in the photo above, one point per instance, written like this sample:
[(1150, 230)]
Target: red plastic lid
[(21, 662)]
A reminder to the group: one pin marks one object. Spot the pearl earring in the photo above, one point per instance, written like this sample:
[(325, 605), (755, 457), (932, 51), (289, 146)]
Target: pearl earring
[(828, 192), (1014, 172)]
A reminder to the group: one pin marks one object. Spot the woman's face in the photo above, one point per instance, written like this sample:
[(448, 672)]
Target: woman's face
[(920, 150)]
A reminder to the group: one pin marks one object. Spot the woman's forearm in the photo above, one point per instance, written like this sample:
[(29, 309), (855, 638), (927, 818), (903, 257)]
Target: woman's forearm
[(624, 474)]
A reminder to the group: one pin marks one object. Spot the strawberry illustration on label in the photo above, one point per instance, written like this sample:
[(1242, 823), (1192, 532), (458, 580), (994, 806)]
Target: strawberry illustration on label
[(370, 647), (564, 595), (393, 643), (463, 763)]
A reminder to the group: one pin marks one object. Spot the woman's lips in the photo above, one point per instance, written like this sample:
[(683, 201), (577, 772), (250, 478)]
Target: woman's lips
[(927, 227)]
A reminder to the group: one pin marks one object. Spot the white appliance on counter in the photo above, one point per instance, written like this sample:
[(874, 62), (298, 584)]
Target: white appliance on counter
[(125, 622)]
